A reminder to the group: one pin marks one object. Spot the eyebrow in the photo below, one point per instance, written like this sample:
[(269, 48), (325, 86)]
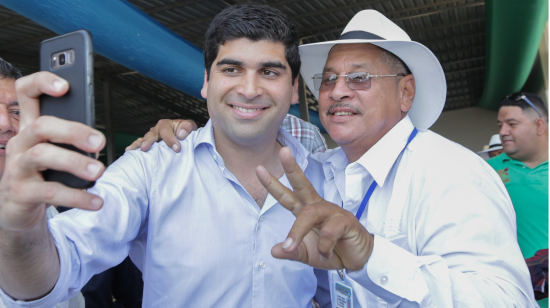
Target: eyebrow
[(507, 120), (13, 104), (229, 62), (275, 64)]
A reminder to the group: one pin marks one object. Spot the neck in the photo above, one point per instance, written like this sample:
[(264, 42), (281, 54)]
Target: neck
[(242, 158), (247, 156), (539, 157)]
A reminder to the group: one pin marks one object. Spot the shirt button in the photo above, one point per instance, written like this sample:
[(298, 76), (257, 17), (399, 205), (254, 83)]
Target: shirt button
[(383, 280), (262, 264), (261, 218)]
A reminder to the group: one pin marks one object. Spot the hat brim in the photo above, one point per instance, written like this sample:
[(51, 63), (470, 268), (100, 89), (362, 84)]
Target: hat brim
[(431, 87), (485, 153)]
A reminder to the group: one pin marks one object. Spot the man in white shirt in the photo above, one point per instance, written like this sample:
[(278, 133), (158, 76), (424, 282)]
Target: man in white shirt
[(415, 220), (198, 223)]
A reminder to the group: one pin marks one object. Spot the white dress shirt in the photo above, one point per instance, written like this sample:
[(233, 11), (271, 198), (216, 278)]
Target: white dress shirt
[(197, 235), (444, 227)]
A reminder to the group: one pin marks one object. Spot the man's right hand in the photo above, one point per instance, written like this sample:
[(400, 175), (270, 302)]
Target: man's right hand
[(166, 130), (29, 264), (24, 194)]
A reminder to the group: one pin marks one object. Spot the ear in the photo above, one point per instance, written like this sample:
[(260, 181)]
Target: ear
[(204, 89), (295, 94), (407, 90), (542, 126)]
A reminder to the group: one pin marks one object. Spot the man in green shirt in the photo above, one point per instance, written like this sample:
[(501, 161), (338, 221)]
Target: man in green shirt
[(523, 167)]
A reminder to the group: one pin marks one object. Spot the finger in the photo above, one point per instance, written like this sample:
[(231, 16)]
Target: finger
[(309, 217), (150, 137), (330, 233), (184, 128), (284, 195), (135, 145), (301, 186), (52, 129), (167, 134), (29, 89), (300, 254), (45, 156), (59, 194)]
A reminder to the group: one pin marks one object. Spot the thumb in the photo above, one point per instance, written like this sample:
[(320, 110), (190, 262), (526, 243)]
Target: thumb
[(299, 254)]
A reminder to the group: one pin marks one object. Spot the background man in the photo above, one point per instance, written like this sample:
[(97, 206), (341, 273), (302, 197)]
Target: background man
[(494, 148), (523, 122), (198, 223), (432, 230)]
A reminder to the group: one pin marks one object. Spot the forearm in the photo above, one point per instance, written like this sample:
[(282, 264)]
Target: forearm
[(29, 263), (396, 275)]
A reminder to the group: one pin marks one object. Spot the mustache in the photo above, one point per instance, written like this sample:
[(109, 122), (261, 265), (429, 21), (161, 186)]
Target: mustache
[(344, 105)]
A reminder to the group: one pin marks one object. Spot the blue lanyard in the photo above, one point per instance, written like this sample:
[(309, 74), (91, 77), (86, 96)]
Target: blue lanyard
[(374, 184)]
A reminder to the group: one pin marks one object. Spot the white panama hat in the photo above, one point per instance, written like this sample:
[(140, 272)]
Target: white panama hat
[(370, 26), (494, 145)]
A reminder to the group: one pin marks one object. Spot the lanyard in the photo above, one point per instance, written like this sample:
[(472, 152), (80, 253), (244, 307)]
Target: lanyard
[(374, 184), (371, 190)]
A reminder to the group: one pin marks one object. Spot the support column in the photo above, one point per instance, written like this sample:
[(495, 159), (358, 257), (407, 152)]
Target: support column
[(302, 101), (109, 133)]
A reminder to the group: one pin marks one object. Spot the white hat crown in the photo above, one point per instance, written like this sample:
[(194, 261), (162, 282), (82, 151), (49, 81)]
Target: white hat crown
[(374, 22)]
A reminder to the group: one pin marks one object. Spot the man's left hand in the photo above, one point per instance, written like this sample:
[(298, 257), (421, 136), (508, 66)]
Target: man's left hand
[(324, 235)]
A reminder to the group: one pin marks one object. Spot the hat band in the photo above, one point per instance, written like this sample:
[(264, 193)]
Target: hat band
[(360, 35), (495, 145)]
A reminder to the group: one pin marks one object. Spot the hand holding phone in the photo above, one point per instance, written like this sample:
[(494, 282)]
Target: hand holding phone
[(70, 56)]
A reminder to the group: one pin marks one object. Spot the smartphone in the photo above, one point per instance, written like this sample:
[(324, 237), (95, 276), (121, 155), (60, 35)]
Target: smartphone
[(70, 57)]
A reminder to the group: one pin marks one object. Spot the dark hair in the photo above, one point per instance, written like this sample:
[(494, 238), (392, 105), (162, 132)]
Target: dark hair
[(255, 22), (535, 99), (8, 71)]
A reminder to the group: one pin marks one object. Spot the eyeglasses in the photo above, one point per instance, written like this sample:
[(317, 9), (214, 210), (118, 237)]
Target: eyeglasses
[(354, 81), (516, 97)]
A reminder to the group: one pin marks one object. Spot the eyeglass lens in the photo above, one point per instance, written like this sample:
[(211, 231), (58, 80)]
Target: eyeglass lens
[(354, 81)]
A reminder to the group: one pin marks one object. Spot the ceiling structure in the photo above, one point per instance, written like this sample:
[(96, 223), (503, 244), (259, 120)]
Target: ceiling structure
[(453, 29)]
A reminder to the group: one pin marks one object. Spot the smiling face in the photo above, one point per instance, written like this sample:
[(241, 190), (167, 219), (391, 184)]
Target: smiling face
[(518, 132), (9, 117), (249, 90), (357, 119)]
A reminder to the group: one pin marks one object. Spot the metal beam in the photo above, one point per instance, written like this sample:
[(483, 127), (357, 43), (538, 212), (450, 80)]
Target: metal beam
[(12, 20), (465, 5), (463, 60), (157, 100), (15, 58), (33, 39)]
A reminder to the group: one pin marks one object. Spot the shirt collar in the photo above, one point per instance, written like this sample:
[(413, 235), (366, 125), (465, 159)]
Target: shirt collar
[(506, 158), (300, 153), (379, 159)]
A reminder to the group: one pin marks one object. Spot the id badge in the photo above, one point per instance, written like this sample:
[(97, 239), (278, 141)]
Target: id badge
[(342, 293)]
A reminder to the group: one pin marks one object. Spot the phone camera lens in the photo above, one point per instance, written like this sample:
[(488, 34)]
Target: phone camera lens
[(62, 59)]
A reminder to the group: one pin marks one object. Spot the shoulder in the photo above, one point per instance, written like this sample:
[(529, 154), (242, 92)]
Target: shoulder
[(160, 155), (439, 157)]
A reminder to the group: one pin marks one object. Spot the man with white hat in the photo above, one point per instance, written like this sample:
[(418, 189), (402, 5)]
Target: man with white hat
[(405, 227), (494, 148)]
